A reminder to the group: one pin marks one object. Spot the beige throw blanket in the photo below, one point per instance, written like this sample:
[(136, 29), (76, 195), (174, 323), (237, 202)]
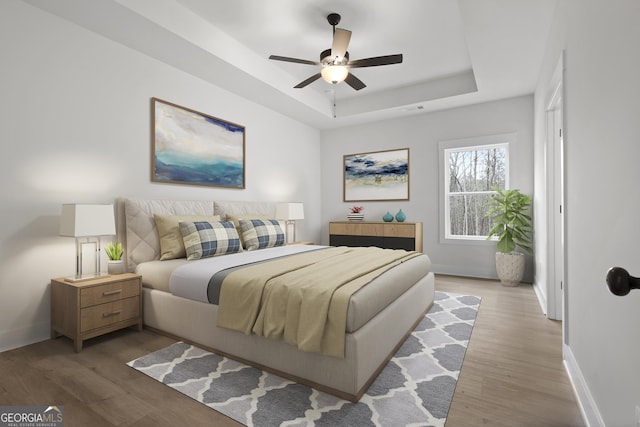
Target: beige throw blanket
[(302, 299)]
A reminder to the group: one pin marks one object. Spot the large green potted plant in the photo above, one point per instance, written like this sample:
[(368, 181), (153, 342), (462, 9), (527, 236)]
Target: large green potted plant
[(509, 211)]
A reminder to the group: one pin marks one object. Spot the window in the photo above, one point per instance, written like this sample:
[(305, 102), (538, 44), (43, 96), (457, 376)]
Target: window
[(472, 168)]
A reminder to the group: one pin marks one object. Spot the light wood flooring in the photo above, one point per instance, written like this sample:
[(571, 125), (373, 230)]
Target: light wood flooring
[(512, 374)]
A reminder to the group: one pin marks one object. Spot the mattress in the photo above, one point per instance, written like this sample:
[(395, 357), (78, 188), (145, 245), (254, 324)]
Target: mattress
[(190, 279)]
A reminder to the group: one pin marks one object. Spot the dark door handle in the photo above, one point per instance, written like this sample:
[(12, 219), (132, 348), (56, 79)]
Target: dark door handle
[(620, 282)]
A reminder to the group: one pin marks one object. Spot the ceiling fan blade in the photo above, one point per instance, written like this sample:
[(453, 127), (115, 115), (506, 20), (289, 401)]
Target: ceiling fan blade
[(340, 45), (296, 60), (376, 61), (308, 81), (354, 82)]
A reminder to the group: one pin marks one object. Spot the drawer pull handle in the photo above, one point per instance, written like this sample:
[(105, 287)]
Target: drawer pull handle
[(108, 293), (111, 313)]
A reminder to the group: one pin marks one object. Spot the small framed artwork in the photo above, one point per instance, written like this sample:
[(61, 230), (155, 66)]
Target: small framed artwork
[(190, 147), (379, 175)]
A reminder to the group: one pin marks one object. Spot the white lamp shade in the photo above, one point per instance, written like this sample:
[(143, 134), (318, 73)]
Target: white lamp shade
[(290, 211), (79, 220), (334, 73)]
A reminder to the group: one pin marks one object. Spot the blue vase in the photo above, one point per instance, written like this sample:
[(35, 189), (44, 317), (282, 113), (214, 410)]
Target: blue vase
[(400, 216), (387, 217)]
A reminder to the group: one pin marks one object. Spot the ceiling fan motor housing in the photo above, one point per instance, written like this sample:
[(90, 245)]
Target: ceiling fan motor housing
[(326, 59)]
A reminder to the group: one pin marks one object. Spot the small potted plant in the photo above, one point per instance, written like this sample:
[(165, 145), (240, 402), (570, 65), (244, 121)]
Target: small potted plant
[(356, 213), (114, 251), (509, 210)]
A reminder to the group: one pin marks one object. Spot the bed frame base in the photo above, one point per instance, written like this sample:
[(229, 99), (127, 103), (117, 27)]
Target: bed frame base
[(367, 350), (355, 398)]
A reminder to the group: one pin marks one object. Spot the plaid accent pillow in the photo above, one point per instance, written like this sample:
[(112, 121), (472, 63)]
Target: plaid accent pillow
[(261, 233), (204, 239), (171, 243)]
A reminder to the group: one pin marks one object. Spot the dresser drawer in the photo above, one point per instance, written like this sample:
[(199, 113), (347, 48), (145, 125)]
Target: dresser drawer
[(399, 230), (106, 314), (109, 292), (356, 228), (390, 235)]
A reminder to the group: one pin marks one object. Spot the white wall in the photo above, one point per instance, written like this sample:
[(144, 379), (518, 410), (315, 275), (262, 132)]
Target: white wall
[(75, 127), (421, 133), (602, 148)]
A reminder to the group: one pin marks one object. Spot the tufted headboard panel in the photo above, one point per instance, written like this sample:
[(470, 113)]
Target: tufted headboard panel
[(244, 208), (140, 237), (136, 227)]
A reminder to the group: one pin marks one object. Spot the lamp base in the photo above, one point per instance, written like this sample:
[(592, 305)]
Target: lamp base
[(84, 277), (291, 231)]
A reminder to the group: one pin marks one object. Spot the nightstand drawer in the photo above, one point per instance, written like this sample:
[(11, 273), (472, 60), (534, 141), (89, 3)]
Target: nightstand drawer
[(106, 314), (109, 292)]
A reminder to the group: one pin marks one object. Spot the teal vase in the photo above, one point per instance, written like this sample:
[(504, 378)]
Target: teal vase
[(400, 216), (387, 217)]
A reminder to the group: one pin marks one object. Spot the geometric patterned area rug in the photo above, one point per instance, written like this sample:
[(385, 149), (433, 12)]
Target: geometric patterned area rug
[(414, 389)]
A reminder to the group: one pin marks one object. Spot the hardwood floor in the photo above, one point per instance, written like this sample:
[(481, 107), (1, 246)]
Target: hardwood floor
[(512, 374)]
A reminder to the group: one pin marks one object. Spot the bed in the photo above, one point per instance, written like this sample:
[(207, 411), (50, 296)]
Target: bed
[(379, 314)]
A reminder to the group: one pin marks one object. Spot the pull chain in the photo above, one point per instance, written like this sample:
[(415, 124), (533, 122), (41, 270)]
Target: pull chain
[(334, 103)]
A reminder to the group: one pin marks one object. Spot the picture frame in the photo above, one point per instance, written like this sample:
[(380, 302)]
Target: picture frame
[(376, 175), (194, 148)]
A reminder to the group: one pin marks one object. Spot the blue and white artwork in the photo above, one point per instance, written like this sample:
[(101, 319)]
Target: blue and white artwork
[(193, 148), (381, 175)]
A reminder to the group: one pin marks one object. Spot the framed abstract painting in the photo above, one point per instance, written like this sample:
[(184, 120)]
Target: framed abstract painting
[(378, 175), (189, 147)]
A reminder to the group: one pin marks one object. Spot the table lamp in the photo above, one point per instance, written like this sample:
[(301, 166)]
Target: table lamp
[(290, 212), (87, 223)]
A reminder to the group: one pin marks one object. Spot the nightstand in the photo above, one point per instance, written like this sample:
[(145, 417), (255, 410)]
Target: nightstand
[(87, 309)]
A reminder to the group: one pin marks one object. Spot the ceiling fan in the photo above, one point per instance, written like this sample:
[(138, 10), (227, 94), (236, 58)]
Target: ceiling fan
[(335, 61)]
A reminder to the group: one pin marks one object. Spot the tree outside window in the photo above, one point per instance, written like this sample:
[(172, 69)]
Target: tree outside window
[(470, 175)]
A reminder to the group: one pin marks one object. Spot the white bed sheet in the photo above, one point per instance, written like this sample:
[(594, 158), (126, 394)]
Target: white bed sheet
[(191, 280)]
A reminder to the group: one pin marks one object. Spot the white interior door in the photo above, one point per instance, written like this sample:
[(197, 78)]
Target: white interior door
[(558, 196), (556, 283)]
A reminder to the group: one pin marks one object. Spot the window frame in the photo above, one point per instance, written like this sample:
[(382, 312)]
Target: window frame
[(468, 144)]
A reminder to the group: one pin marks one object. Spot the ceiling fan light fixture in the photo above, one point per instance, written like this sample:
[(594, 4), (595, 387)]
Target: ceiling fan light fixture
[(335, 61), (334, 74)]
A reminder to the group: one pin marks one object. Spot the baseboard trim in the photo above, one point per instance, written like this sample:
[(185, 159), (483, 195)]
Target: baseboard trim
[(586, 403), (456, 270), (542, 297), (16, 338)]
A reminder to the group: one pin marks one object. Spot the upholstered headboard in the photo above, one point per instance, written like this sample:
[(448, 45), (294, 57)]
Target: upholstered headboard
[(136, 227)]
